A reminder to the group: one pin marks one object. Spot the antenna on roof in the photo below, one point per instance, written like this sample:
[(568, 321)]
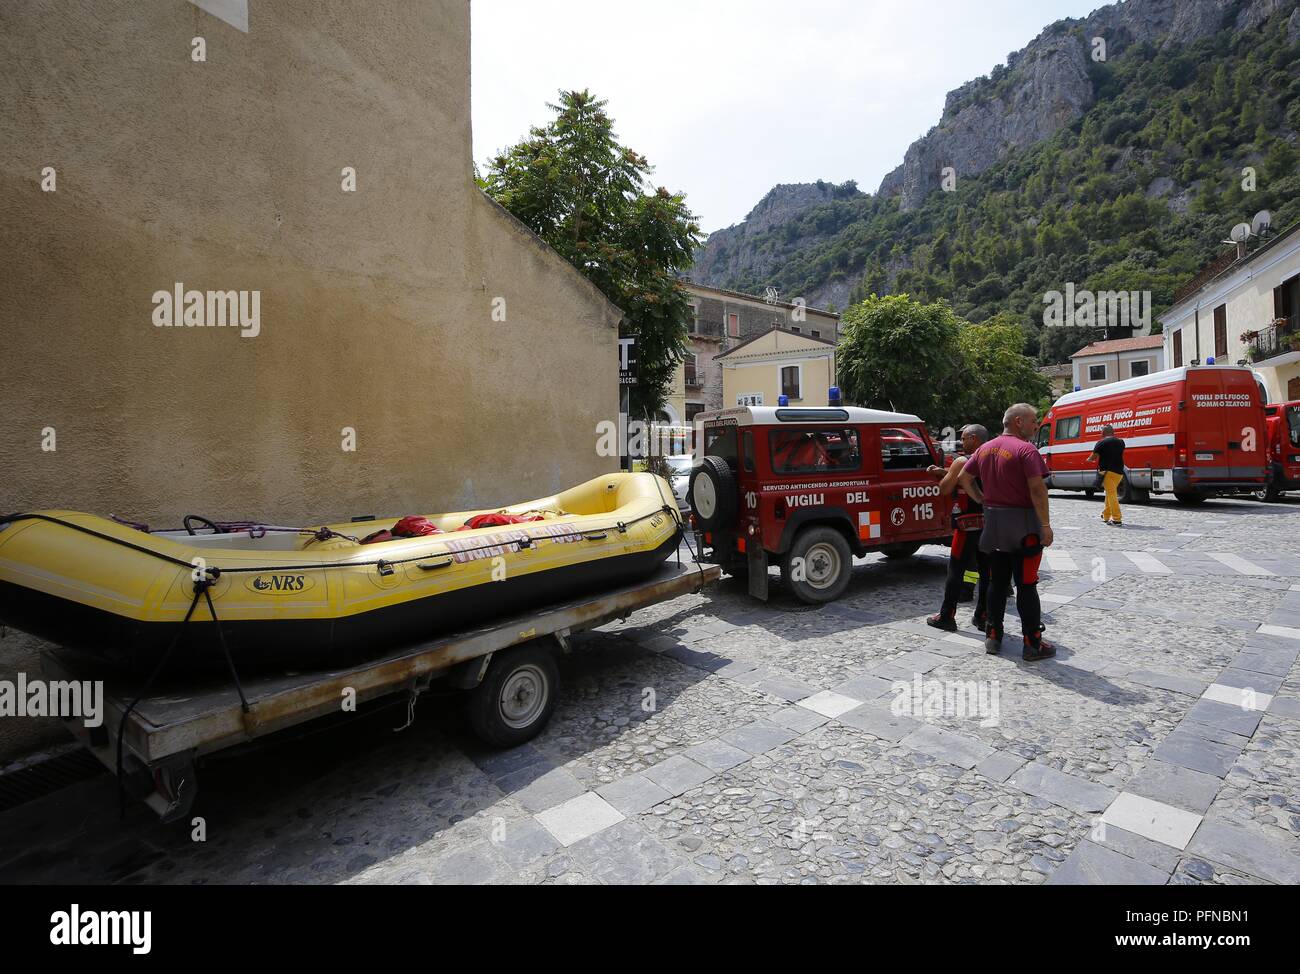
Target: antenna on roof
[(1261, 221), (1239, 235)]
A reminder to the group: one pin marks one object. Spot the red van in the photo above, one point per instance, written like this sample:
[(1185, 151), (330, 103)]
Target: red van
[(1195, 432), (810, 488), (1283, 419)]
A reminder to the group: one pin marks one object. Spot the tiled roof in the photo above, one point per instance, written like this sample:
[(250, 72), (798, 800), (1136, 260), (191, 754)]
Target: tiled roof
[(1120, 345)]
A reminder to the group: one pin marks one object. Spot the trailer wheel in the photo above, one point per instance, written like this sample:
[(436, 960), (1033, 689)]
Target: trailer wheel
[(817, 566), (1188, 498), (516, 697)]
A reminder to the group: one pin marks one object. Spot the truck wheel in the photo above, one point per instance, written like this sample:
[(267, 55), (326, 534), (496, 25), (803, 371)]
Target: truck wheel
[(712, 494), (1090, 494), (899, 551), (516, 697), (818, 565), (1190, 499)]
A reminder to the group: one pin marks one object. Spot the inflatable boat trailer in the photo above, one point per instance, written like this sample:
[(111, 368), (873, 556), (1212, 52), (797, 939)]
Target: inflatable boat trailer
[(508, 666)]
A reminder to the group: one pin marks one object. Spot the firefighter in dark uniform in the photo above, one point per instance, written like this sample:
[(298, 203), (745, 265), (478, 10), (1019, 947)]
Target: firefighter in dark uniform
[(967, 565)]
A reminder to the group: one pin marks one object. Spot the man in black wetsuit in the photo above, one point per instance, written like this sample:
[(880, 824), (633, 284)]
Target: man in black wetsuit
[(966, 563)]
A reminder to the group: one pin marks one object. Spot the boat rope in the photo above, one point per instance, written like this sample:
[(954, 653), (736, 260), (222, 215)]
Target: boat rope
[(384, 565), (681, 531), (201, 588), (96, 534)]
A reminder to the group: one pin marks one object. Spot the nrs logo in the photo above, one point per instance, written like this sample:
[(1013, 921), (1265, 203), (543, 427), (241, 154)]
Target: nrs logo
[(279, 584), (930, 491)]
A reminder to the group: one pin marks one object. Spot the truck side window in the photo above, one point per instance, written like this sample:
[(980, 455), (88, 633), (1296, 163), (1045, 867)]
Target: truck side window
[(1044, 434), (903, 448), (815, 451), (1068, 428)]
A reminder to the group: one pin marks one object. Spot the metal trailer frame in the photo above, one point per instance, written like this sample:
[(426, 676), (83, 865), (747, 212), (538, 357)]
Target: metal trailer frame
[(174, 725)]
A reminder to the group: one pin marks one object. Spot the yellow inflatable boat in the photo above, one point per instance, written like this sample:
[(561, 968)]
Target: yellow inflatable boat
[(320, 596)]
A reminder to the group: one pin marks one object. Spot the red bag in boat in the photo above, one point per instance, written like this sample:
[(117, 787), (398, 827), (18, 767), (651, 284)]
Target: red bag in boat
[(412, 526), (379, 537), (497, 520)]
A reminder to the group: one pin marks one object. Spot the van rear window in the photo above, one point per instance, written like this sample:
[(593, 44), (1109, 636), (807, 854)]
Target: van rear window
[(1068, 428)]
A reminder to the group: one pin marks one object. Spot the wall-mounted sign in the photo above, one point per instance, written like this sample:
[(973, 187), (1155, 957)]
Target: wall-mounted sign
[(626, 362), (749, 399)]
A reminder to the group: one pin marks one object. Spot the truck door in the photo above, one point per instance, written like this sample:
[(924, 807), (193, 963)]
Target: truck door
[(912, 506), (1044, 440)]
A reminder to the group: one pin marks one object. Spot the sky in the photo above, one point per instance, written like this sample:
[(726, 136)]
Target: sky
[(727, 98)]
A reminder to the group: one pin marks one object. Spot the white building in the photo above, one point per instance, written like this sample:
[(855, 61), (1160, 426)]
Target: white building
[(1243, 310), (1120, 358)]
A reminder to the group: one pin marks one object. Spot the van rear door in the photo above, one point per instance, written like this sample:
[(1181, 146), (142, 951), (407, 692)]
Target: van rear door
[(1207, 428), (1244, 424)]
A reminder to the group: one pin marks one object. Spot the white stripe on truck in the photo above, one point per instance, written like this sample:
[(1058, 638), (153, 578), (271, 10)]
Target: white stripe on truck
[(1130, 442)]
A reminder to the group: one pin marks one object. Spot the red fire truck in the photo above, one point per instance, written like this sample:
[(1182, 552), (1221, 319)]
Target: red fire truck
[(1194, 431), (811, 487), (1283, 422)]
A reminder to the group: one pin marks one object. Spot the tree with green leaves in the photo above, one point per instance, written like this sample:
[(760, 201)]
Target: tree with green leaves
[(573, 184), (901, 354), (898, 354), (995, 373)]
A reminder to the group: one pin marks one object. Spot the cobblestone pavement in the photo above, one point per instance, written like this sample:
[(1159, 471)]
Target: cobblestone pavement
[(716, 740)]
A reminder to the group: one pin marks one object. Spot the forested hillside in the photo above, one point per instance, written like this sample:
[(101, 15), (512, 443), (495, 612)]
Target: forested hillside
[(1136, 193)]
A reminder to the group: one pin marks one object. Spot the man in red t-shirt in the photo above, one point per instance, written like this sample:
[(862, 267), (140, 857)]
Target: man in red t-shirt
[(1017, 525)]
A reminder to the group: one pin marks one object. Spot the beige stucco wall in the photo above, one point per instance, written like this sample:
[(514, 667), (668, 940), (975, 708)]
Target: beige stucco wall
[(1282, 381), (376, 306), (1154, 358), (756, 368), (1247, 297)]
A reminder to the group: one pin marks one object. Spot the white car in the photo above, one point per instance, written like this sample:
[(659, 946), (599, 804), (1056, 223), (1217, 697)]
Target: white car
[(680, 477)]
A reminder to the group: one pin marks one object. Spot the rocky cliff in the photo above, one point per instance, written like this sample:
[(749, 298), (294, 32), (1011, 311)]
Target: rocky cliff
[(733, 257), (1041, 89)]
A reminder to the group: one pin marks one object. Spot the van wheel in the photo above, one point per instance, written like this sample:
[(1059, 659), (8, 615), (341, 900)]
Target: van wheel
[(712, 494), (1128, 494), (1191, 500), (899, 551), (516, 698), (818, 565), (1131, 494), (1269, 494)]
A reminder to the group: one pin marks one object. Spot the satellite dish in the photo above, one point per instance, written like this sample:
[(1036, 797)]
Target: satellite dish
[(1240, 233), (1260, 222)]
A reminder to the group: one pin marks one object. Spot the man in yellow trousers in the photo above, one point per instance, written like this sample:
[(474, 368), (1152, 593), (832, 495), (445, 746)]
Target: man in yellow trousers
[(1109, 454)]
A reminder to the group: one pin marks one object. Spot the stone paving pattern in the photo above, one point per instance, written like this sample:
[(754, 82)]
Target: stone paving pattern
[(713, 739)]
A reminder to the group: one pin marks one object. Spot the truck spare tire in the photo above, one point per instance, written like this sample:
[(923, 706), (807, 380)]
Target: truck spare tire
[(712, 494)]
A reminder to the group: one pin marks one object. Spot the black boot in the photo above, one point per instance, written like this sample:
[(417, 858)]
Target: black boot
[(992, 642)]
